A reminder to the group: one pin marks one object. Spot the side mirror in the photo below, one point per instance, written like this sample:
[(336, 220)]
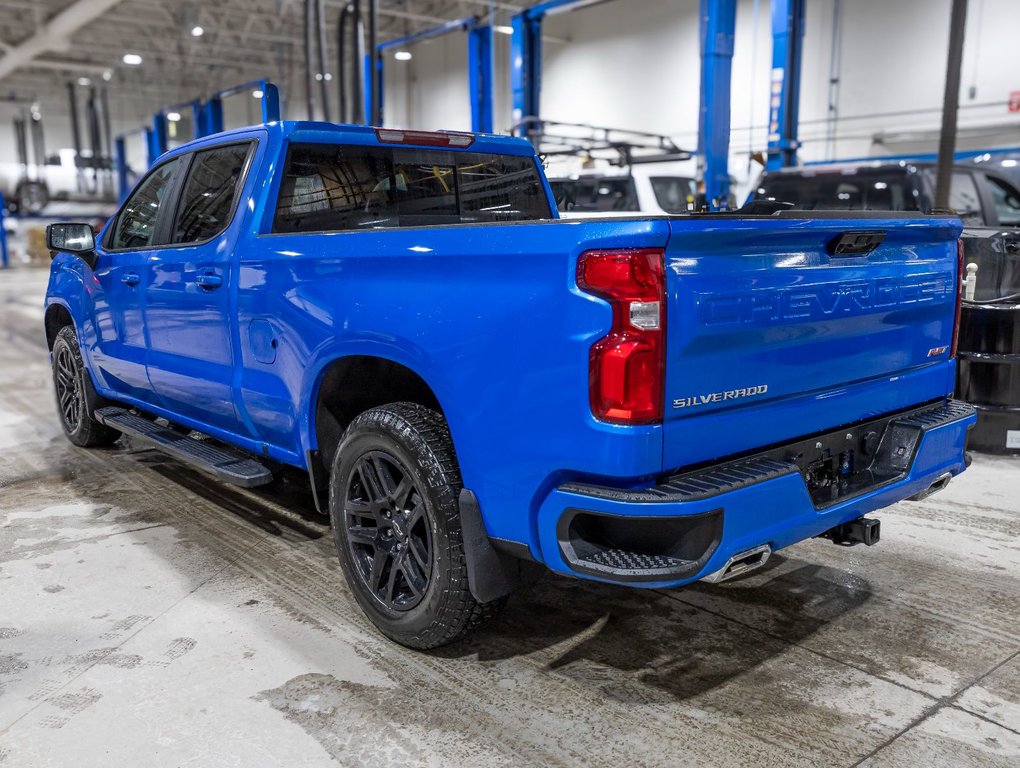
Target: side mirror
[(74, 238)]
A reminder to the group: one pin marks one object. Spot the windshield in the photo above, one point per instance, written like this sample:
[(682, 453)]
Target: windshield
[(674, 194), (595, 194), (879, 189)]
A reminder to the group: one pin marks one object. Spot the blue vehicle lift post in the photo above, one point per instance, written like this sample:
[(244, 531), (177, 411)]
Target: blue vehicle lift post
[(4, 258), (718, 25), (526, 62), (210, 117), (120, 162), (784, 90), (479, 68)]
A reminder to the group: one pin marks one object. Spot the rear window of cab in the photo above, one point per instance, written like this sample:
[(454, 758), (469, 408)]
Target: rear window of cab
[(336, 187)]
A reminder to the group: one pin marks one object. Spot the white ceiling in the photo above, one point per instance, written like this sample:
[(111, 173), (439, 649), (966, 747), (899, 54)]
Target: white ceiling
[(243, 40)]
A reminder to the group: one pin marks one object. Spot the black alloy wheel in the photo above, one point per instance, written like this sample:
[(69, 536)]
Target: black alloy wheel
[(76, 397), (69, 388), (395, 513), (388, 531)]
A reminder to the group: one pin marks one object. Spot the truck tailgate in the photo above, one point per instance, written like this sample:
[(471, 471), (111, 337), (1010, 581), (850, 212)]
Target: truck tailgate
[(772, 334)]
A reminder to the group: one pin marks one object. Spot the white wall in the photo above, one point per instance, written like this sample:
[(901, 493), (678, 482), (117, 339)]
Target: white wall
[(635, 64)]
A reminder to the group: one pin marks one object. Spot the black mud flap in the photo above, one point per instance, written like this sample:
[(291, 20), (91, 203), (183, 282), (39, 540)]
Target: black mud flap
[(491, 574)]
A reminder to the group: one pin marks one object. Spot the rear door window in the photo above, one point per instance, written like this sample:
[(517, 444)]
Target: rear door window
[(330, 187), (1006, 200), (210, 191)]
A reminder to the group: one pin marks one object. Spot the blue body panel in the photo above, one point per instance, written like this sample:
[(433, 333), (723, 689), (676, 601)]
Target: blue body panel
[(491, 318)]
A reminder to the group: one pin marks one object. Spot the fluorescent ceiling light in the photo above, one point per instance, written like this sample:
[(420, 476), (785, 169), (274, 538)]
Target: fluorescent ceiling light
[(107, 75), (132, 59), (173, 117), (84, 81), (197, 31), (256, 94), (503, 29), (402, 55)]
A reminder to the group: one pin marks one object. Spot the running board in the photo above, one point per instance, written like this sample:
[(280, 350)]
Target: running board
[(224, 463)]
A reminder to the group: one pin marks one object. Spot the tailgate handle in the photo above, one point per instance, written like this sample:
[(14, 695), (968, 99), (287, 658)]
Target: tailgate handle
[(855, 243)]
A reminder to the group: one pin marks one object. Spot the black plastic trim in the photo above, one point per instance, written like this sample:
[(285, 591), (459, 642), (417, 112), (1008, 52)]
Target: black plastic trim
[(635, 549), (888, 463)]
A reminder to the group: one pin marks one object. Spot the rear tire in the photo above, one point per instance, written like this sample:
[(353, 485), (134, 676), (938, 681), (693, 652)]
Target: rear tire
[(395, 515), (75, 392)]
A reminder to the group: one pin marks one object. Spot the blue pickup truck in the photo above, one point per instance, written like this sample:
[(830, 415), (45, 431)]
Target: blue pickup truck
[(471, 384)]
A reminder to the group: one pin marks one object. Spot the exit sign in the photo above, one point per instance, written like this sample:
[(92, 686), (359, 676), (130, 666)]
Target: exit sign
[(1014, 101)]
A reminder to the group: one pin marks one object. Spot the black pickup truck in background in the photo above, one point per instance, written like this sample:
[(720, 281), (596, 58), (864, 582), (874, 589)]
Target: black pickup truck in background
[(988, 202)]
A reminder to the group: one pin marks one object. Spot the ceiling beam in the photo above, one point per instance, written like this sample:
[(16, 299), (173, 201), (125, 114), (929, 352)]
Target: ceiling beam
[(53, 33)]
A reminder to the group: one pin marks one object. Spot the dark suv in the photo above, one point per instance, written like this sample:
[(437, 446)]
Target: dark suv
[(988, 202)]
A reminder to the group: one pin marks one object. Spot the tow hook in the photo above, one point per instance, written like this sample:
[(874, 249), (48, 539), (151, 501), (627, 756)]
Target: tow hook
[(863, 530)]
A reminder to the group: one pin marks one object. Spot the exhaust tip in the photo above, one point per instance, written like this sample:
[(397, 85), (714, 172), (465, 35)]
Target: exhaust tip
[(940, 483), (739, 564)]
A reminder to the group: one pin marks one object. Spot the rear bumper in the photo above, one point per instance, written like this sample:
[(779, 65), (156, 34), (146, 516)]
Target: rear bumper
[(692, 523)]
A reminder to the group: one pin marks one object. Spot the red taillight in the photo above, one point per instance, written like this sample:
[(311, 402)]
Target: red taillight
[(425, 138), (627, 366), (959, 297)]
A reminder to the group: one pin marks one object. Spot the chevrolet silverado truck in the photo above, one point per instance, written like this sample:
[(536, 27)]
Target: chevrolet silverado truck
[(472, 384)]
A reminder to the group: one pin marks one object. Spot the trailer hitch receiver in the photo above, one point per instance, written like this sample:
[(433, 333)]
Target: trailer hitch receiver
[(863, 530)]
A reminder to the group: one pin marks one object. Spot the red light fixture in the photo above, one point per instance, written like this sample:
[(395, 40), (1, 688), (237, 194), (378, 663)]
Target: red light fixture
[(425, 138), (627, 366)]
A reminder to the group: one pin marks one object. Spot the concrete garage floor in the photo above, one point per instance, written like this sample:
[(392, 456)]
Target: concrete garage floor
[(149, 617)]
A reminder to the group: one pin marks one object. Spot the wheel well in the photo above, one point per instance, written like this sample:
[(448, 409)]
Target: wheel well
[(57, 317), (354, 384)]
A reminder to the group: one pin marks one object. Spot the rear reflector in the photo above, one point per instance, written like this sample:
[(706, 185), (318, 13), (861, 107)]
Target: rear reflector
[(627, 366), (425, 138)]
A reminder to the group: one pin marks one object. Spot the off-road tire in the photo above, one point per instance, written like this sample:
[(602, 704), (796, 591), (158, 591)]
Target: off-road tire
[(412, 438), (74, 393)]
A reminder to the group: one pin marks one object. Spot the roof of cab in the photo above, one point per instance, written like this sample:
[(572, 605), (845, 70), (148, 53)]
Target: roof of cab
[(319, 131)]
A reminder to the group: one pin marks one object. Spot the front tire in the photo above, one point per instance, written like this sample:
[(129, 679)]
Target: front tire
[(75, 392), (395, 515)]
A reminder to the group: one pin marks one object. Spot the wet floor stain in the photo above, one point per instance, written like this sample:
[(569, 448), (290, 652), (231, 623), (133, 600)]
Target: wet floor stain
[(822, 658)]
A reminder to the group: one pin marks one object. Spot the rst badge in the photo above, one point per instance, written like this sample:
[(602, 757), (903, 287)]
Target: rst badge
[(719, 397)]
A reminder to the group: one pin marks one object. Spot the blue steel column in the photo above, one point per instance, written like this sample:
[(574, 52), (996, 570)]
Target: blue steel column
[(157, 137), (480, 78), (270, 103), (784, 90), (4, 258), (120, 163), (718, 24), (197, 110), (526, 68), (151, 149)]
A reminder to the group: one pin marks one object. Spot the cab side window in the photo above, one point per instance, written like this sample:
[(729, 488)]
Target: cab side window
[(207, 199), (1006, 200), (136, 223), (965, 200)]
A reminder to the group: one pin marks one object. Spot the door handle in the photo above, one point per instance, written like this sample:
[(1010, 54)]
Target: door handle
[(130, 279), (209, 281)]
